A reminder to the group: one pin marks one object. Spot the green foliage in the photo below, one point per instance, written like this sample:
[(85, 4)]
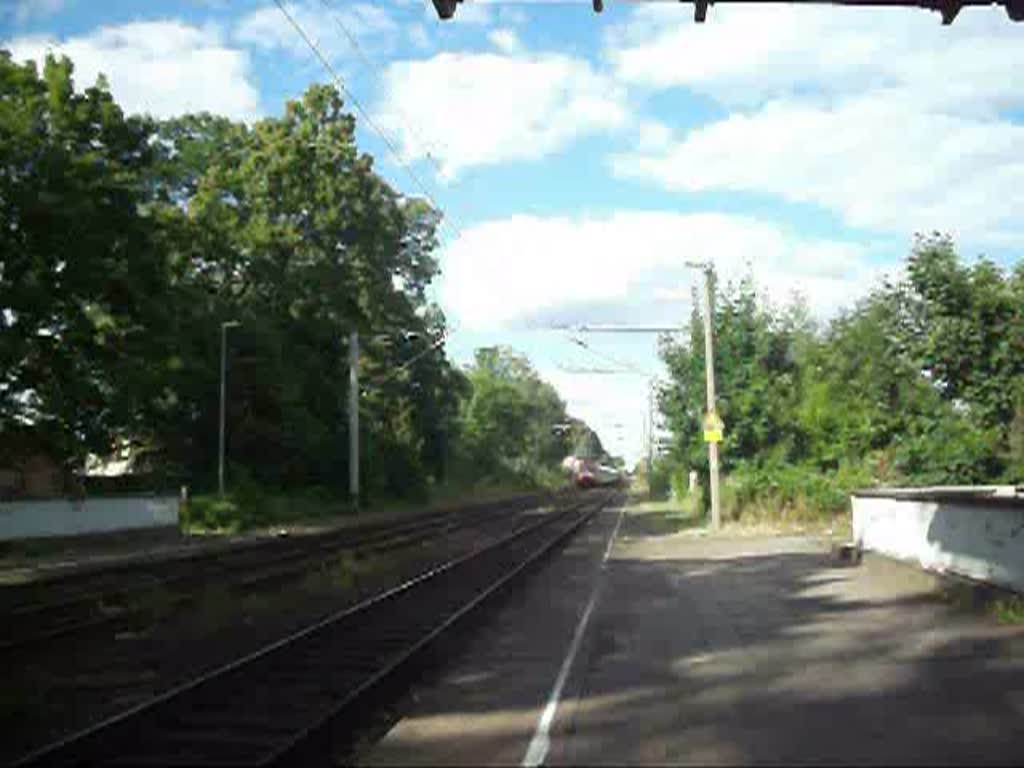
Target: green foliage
[(659, 479), (254, 507), (285, 227), (920, 383), (792, 491), (213, 514), (513, 424), (127, 242), (1010, 610), (83, 285), (679, 483)]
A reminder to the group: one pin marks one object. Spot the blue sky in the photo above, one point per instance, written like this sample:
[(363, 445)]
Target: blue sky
[(580, 159)]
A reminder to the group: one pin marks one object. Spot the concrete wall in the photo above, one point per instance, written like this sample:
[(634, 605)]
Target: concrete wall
[(973, 532), (63, 517)]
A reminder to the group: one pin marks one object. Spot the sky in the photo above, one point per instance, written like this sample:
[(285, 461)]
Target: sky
[(582, 159)]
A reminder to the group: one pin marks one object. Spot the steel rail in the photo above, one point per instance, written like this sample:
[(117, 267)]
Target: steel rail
[(311, 666), (272, 560)]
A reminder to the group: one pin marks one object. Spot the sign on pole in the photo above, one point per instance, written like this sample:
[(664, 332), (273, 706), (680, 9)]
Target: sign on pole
[(713, 427)]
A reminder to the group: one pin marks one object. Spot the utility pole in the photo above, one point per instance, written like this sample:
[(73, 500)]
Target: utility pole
[(353, 417), (650, 433), (223, 398), (354, 394), (709, 370)]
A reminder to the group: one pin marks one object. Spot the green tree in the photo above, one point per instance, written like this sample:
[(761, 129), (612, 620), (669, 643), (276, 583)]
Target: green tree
[(919, 383), (285, 227), (756, 373), (131, 241), (513, 422), (83, 279), (968, 329)]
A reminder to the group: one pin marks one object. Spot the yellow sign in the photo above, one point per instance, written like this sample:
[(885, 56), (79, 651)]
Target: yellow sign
[(713, 427)]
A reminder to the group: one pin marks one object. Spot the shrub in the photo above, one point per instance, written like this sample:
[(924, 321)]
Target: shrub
[(789, 491), (216, 514), (659, 479)]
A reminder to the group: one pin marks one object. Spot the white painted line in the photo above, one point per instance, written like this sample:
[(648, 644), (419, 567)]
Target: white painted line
[(611, 541), (537, 752)]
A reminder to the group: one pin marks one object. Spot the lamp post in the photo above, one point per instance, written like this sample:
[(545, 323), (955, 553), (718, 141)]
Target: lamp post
[(353, 417), (223, 396)]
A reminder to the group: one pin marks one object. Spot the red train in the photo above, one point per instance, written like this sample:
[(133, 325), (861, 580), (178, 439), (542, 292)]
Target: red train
[(590, 473)]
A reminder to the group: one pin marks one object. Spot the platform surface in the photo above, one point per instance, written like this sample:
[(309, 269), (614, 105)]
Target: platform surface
[(703, 649)]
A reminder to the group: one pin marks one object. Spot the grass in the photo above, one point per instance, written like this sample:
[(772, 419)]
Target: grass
[(211, 515), (785, 522), (982, 599), (1009, 610), (667, 516), (750, 518)]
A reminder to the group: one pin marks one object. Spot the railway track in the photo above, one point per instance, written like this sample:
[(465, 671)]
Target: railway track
[(286, 704), (109, 598)]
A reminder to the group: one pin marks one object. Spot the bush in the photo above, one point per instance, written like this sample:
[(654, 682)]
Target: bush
[(953, 451), (789, 491), (215, 514), (659, 479), (310, 504), (250, 504)]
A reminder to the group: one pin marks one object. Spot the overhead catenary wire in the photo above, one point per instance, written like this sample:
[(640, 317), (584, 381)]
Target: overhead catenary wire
[(392, 149), (394, 372), (631, 367), (372, 65), (626, 368), (448, 220)]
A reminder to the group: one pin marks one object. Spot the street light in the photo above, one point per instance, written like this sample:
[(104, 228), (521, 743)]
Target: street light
[(223, 395)]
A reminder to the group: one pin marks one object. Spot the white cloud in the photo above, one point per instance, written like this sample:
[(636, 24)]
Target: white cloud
[(475, 109), (373, 28), (885, 117), (747, 54), (878, 163), (511, 272), (506, 41), (523, 272), (162, 68)]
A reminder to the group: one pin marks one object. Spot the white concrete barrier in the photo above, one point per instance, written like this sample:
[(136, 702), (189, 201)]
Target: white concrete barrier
[(977, 532), (64, 517)]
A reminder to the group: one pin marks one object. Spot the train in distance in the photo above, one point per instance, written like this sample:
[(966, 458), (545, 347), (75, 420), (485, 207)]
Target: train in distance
[(948, 9), (591, 473)]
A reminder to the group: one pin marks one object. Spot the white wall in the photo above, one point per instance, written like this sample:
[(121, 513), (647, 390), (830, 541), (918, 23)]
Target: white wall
[(979, 535), (62, 517)]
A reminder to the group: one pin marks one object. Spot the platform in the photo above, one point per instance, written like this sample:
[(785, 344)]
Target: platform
[(702, 649)]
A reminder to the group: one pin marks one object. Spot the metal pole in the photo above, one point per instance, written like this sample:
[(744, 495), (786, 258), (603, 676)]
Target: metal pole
[(223, 396), (709, 367), (353, 417), (650, 434)]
